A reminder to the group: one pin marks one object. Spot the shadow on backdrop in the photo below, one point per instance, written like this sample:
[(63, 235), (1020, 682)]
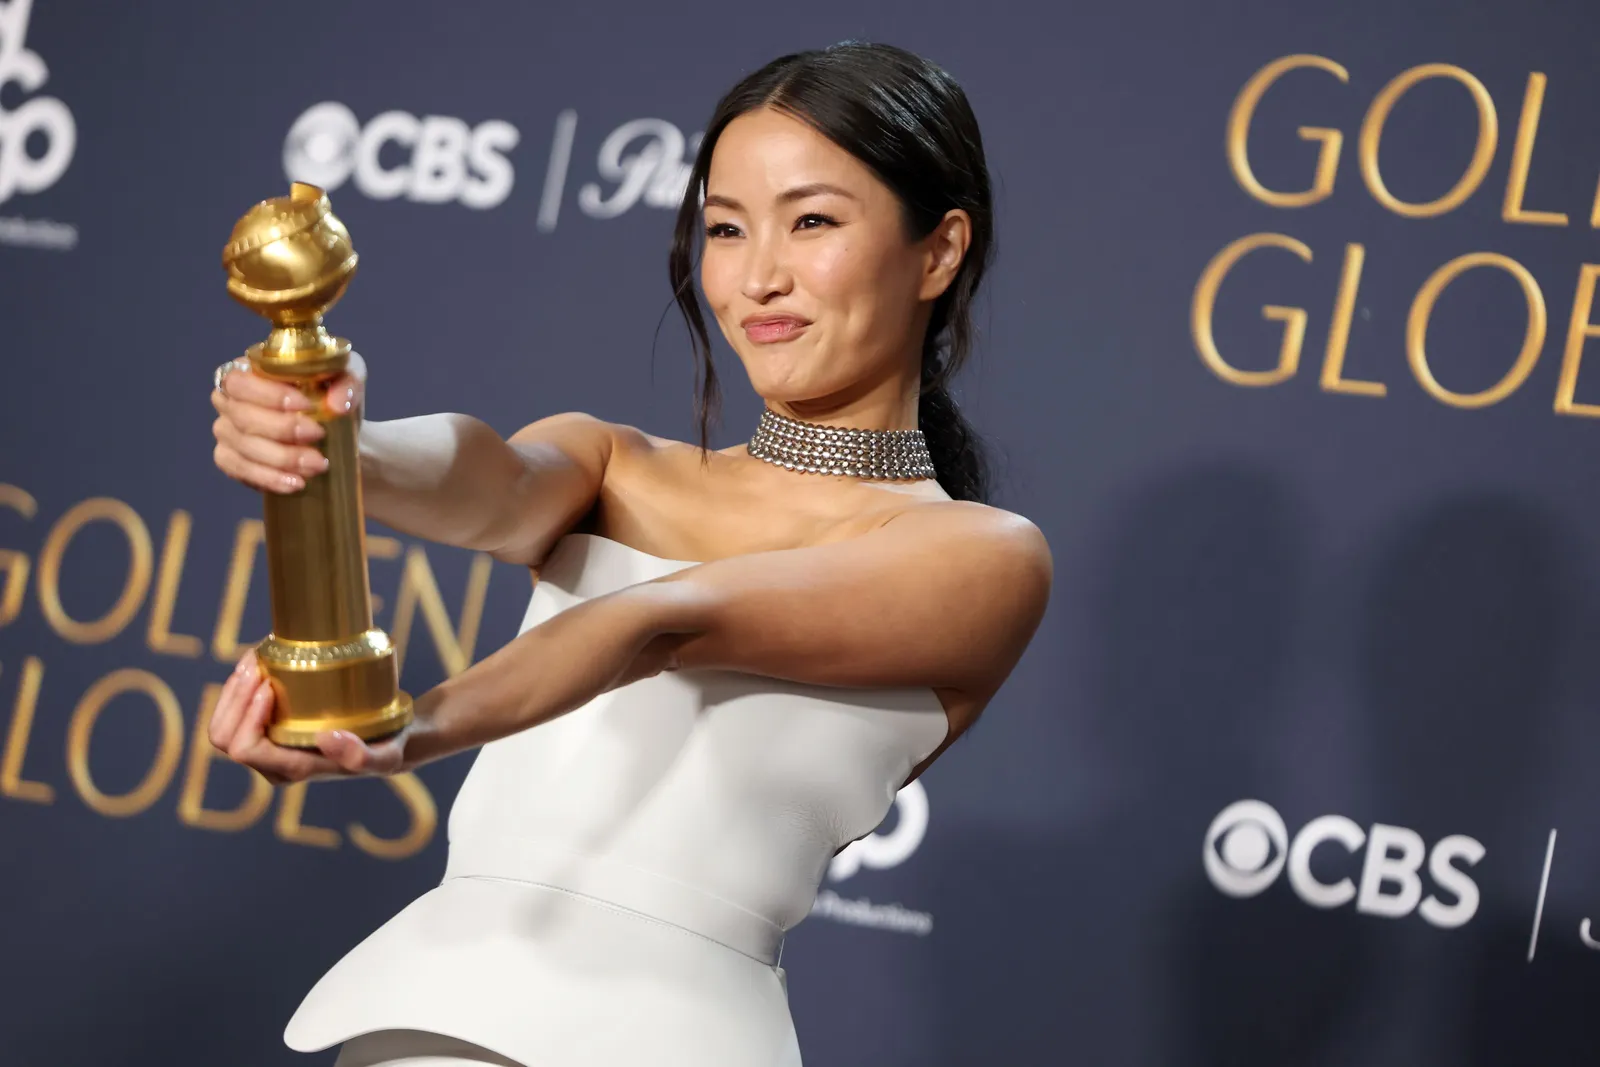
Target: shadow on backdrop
[(1190, 626), (1208, 597), (1467, 618), (1521, 1014), (1470, 619)]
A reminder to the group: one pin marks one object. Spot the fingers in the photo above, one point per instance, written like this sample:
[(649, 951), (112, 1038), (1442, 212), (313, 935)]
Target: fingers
[(230, 702), (345, 749), (263, 450), (345, 393), (243, 687), (239, 729), (251, 746), (256, 475), (248, 417), (264, 431), (357, 756), (260, 391)]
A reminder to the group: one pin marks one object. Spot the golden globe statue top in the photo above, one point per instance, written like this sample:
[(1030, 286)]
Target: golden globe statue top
[(289, 259)]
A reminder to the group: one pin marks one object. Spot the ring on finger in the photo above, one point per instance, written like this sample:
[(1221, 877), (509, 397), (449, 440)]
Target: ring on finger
[(220, 375)]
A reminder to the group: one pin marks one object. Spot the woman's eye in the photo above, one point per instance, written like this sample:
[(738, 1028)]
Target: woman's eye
[(811, 222), (721, 229)]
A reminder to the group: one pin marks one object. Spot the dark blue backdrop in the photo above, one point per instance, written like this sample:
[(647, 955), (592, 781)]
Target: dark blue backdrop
[(1371, 614)]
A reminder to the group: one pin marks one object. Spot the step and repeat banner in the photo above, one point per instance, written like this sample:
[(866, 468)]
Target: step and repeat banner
[(1289, 352)]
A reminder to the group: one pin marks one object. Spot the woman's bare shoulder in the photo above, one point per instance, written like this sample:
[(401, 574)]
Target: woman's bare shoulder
[(582, 431), (976, 526)]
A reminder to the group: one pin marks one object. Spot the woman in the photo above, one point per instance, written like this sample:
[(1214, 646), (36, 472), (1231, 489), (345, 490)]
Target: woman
[(732, 660)]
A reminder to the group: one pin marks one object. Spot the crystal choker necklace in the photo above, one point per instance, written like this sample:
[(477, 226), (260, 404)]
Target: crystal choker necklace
[(812, 449)]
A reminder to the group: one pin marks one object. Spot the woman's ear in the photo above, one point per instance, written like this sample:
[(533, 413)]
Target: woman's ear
[(945, 249)]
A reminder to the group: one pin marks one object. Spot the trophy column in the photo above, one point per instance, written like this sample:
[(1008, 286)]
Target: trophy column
[(290, 260)]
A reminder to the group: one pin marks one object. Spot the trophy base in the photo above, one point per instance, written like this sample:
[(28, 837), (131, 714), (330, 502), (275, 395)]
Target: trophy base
[(348, 684), (367, 725)]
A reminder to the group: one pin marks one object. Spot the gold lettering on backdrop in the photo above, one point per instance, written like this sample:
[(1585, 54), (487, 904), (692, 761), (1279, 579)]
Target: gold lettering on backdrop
[(1205, 302), (12, 784), (134, 586), (1344, 311), (247, 541), (290, 825), (81, 730), (424, 819), (1378, 115), (160, 583), (13, 563), (1244, 110), (380, 547), (1513, 209), (417, 587), (1422, 311), (1578, 332), (1522, 160), (168, 579), (191, 802)]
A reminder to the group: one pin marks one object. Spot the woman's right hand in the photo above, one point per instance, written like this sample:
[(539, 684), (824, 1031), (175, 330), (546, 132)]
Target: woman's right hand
[(238, 729), (267, 431)]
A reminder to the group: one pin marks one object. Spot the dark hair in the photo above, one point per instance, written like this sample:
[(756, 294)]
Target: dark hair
[(910, 122)]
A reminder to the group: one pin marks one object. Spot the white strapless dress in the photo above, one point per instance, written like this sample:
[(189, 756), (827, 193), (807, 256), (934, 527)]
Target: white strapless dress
[(620, 879)]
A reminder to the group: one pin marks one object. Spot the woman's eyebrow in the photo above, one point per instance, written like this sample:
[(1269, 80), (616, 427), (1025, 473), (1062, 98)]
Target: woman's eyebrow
[(798, 192), (802, 192)]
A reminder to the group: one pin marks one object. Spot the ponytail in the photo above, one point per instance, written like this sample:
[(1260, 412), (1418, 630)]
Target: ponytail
[(958, 454)]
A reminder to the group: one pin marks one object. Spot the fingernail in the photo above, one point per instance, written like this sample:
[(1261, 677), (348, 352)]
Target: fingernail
[(245, 665), (345, 400), (314, 463), (293, 482), (308, 430), (295, 402)]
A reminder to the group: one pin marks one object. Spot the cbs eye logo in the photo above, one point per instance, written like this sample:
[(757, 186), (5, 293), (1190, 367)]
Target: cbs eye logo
[(1248, 846), (435, 159)]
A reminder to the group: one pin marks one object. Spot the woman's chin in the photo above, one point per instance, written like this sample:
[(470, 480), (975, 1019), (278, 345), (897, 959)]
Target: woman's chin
[(784, 387)]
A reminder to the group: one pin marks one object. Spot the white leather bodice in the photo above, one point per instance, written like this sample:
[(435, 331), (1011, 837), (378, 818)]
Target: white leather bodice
[(739, 786), (620, 879)]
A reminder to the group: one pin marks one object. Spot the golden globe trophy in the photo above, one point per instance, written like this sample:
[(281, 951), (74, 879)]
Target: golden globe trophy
[(290, 259)]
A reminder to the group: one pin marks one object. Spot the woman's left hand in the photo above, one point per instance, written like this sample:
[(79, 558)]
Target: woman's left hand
[(239, 731)]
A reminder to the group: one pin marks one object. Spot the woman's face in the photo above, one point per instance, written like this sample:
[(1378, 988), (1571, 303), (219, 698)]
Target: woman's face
[(808, 266)]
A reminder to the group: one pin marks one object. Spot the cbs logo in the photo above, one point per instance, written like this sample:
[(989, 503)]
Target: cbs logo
[(1247, 847), (431, 160)]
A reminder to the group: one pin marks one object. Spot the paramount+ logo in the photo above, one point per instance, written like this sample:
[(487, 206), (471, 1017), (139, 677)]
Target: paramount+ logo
[(1386, 871)]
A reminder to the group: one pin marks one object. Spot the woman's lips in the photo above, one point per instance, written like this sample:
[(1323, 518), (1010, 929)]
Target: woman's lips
[(769, 331)]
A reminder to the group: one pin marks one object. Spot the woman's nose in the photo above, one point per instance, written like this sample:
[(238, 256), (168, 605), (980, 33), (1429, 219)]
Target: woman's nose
[(766, 274)]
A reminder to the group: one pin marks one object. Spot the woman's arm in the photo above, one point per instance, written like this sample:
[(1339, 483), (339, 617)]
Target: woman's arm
[(946, 596), (447, 478), (452, 479)]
